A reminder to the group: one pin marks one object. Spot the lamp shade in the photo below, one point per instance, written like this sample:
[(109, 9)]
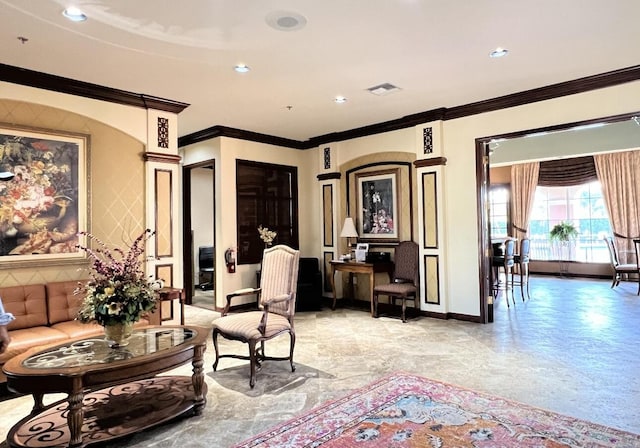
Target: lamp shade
[(349, 229)]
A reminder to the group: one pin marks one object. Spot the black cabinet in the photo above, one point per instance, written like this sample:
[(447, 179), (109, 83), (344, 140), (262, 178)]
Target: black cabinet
[(309, 285)]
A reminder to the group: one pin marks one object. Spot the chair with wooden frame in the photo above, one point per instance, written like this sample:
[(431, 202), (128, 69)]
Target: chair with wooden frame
[(506, 262), (406, 278), (521, 261), (619, 269), (277, 298), (636, 245)]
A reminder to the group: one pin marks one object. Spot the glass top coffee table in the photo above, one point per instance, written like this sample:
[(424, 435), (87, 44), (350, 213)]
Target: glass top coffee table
[(112, 392)]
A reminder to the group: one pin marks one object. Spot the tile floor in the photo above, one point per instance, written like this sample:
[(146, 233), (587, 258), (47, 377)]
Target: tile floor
[(572, 348)]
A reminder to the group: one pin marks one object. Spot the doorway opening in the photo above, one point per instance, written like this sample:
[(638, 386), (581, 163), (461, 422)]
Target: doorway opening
[(570, 140), (199, 258)]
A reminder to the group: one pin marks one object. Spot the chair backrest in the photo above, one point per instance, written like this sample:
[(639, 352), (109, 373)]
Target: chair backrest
[(636, 244), (406, 262), (525, 250), (279, 276), (205, 257), (509, 252), (613, 253)]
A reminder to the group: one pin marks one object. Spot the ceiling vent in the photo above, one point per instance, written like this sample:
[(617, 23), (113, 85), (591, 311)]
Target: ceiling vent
[(383, 89)]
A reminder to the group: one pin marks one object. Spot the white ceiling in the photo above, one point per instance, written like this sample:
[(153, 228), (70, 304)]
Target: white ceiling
[(436, 51)]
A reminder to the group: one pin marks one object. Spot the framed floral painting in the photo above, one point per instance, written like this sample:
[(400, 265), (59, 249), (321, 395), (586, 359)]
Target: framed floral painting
[(43, 195), (378, 205)]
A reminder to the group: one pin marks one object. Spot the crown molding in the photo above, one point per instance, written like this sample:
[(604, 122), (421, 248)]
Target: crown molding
[(224, 131), (60, 84), (588, 83), (31, 78), (594, 82)]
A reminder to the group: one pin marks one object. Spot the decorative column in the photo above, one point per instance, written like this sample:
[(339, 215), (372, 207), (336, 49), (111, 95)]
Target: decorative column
[(163, 212), (430, 173), (329, 179)]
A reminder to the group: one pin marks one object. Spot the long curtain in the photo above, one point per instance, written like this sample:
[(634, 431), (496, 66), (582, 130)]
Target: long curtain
[(619, 175), (524, 179)]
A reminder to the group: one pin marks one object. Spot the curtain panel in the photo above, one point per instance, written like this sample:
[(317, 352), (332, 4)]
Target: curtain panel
[(524, 179), (619, 175)]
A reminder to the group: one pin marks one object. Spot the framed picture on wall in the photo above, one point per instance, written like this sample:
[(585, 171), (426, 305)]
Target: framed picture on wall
[(378, 217), (44, 205)]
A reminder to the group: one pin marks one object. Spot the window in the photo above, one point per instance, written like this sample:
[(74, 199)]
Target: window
[(499, 210), (581, 205), (266, 195)]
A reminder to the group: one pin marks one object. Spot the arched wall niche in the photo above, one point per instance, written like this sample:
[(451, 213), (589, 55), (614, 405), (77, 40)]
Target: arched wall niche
[(115, 184)]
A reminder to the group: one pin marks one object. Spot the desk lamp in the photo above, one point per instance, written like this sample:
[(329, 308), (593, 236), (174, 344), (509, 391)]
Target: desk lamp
[(349, 231)]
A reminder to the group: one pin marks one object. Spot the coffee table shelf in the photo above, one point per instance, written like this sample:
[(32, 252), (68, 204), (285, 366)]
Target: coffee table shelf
[(109, 413)]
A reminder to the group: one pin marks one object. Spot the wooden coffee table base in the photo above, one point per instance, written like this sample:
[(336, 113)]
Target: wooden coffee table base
[(111, 412)]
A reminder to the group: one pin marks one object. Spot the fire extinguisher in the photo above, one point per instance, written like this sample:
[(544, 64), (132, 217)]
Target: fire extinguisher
[(230, 260)]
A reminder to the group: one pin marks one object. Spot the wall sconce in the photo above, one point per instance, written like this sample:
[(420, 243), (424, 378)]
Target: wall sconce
[(349, 231)]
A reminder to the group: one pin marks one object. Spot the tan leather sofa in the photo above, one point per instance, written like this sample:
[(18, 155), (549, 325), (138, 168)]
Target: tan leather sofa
[(45, 314)]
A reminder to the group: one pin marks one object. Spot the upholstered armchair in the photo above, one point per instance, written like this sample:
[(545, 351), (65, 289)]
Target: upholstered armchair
[(277, 300)]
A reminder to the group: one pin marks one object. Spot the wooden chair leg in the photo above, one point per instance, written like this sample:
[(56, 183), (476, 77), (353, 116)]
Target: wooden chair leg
[(252, 363), (292, 345), (375, 304), (215, 346), (528, 278), (404, 310)]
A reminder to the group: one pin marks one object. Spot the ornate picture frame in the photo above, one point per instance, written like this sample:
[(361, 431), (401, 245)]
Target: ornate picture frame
[(378, 217), (45, 206)]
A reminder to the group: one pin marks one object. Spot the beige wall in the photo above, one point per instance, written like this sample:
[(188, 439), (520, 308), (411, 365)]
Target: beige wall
[(225, 151), (116, 183), (455, 142)]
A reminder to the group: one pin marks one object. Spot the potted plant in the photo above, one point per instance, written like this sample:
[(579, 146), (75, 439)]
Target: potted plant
[(562, 234)]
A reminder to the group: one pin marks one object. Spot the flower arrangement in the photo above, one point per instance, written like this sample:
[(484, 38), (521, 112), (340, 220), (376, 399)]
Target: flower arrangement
[(118, 292), (267, 235)]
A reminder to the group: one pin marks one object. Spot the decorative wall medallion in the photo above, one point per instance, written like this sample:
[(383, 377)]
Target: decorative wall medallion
[(327, 158), (427, 137), (163, 132)]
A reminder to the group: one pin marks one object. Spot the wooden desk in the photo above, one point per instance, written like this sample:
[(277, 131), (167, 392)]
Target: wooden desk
[(358, 267), (171, 294)]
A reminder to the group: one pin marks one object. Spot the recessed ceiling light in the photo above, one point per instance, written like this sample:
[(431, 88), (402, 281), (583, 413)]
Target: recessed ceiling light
[(340, 99), (498, 52), (74, 14), (241, 68)]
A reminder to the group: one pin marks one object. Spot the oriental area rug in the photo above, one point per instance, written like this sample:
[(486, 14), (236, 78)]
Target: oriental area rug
[(403, 410)]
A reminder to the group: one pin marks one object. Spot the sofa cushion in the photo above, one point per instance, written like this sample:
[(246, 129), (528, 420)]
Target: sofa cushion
[(63, 302), (27, 304), (76, 329), (25, 338)]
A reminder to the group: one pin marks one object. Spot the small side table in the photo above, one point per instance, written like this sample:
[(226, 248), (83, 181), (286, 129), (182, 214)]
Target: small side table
[(171, 294)]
